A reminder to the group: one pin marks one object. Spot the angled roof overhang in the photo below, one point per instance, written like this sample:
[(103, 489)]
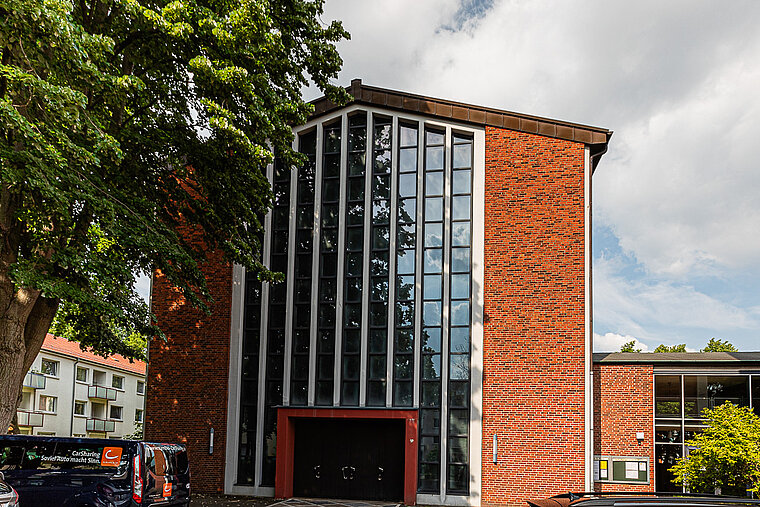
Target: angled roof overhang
[(595, 137)]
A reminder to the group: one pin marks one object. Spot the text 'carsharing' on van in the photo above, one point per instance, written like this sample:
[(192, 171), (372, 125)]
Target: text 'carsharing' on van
[(78, 472)]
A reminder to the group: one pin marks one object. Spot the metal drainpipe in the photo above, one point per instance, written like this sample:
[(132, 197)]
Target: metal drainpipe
[(73, 397)]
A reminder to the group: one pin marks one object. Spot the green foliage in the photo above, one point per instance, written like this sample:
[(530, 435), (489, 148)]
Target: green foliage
[(727, 454), (681, 347), (629, 347), (124, 123), (716, 345)]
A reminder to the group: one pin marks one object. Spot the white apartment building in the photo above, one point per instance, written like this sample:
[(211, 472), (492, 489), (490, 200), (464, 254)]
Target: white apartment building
[(70, 392)]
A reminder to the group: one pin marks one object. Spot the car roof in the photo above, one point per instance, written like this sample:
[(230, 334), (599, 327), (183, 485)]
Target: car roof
[(629, 499)]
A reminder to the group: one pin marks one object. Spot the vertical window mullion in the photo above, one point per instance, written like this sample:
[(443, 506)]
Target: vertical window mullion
[(418, 265), (340, 279), (316, 231), (392, 256), (446, 312), (366, 249)]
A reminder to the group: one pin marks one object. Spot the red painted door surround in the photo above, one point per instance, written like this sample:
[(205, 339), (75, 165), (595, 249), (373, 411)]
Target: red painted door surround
[(283, 487)]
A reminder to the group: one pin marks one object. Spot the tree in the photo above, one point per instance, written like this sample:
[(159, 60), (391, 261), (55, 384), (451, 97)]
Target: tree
[(727, 454), (629, 347), (681, 347), (716, 345), (126, 125)]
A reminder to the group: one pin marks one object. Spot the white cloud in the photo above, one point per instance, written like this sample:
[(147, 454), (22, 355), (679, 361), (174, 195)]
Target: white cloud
[(677, 81), (611, 342), (662, 311)]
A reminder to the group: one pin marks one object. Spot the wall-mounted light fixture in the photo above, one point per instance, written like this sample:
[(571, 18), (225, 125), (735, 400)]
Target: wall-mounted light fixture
[(640, 436), (211, 441), (495, 449)]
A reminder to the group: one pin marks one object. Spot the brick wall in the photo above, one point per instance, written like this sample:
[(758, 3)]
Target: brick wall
[(533, 385), (187, 375), (623, 405)]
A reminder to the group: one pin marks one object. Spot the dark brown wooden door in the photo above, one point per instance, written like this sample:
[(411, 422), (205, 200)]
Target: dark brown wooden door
[(349, 458)]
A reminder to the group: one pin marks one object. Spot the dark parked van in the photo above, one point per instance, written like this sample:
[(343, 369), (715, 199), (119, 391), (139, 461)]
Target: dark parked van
[(88, 472)]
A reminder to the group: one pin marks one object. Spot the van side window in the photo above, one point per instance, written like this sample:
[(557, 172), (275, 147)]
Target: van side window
[(10, 457)]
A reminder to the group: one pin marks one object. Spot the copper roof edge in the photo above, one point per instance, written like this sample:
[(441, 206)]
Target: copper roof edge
[(464, 113)]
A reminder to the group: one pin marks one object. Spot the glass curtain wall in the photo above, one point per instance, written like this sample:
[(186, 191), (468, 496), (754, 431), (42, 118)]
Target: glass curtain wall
[(678, 405), (405, 289)]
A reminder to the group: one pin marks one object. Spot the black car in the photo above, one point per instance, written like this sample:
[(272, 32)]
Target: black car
[(79, 472), (636, 499)]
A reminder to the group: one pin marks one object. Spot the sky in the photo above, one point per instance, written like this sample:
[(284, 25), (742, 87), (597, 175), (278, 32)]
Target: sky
[(676, 200)]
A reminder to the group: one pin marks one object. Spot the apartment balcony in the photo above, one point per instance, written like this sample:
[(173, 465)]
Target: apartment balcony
[(34, 380), (28, 418), (101, 393), (100, 425)]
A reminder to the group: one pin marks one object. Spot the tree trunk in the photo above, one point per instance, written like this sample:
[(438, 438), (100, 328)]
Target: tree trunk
[(23, 326)]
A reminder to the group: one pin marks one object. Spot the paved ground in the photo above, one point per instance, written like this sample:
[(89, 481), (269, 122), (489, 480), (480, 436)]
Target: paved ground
[(247, 501)]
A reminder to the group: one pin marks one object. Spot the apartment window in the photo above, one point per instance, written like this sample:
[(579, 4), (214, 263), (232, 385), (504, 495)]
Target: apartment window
[(80, 407), (140, 387), (81, 374), (50, 367), (117, 382), (98, 378), (116, 412), (48, 404), (138, 415)]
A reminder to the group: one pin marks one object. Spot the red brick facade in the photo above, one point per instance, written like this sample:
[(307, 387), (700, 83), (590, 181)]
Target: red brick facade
[(623, 406), (188, 375), (533, 382)]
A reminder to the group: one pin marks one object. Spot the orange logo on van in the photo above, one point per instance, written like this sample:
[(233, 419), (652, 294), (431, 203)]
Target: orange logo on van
[(167, 489), (111, 457)]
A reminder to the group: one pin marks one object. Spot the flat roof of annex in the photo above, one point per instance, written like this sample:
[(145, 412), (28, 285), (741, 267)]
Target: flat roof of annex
[(679, 358), (467, 113)]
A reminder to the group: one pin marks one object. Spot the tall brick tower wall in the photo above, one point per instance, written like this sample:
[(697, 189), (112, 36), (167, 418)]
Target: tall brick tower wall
[(534, 351), (188, 374)]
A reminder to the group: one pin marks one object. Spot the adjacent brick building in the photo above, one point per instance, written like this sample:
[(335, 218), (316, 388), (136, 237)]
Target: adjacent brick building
[(432, 340)]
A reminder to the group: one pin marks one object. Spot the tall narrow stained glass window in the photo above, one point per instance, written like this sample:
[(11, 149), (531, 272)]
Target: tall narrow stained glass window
[(299, 369), (275, 336), (328, 265), (403, 353), (432, 314), (379, 261), (457, 468), (354, 262)]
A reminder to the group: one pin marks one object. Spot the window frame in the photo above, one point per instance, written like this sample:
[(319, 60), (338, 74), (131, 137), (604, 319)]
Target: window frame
[(45, 410), (121, 412), (121, 384), (86, 371), (57, 367)]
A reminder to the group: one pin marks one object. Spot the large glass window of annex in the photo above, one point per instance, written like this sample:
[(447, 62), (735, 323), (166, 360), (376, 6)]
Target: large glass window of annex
[(374, 235), (678, 404)]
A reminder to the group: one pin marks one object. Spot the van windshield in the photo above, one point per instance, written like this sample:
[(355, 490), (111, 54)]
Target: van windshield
[(62, 456), (166, 459)]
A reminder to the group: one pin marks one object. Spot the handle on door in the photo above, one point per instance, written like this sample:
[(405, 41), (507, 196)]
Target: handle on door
[(317, 470), (380, 473), (348, 473)]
